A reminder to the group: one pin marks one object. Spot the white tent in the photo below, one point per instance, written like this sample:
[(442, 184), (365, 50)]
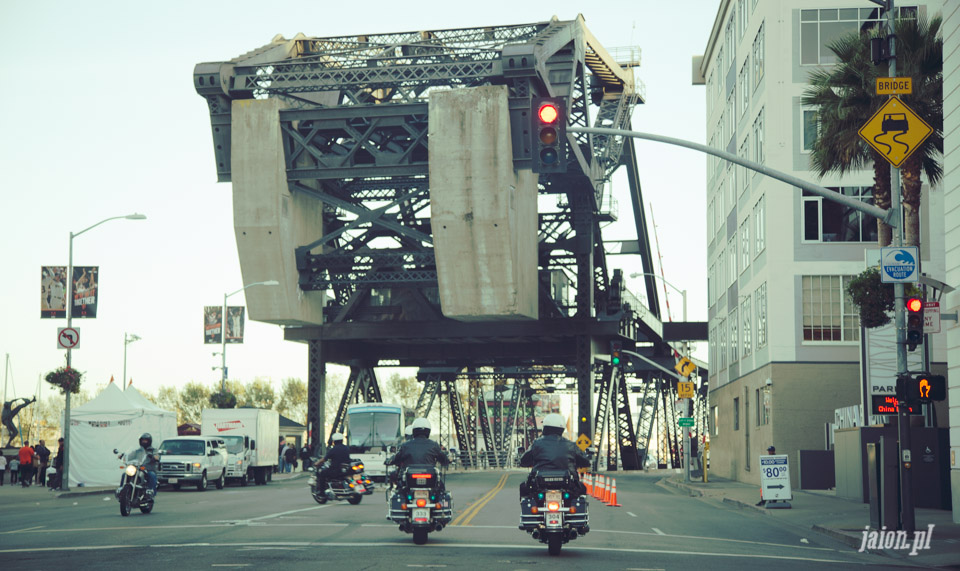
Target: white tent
[(115, 419)]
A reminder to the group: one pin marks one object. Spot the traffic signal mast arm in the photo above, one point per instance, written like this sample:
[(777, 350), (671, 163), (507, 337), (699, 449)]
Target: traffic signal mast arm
[(888, 216)]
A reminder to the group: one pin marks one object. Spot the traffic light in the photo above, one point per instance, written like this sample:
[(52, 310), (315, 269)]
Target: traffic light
[(921, 388), (914, 323), (549, 131), (616, 348)]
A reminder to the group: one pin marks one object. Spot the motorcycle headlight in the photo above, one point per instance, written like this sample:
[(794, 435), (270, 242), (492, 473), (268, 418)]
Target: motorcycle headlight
[(131, 470)]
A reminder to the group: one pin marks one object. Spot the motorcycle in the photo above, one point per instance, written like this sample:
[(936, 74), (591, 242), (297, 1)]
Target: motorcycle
[(420, 503), (553, 509), (132, 492), (351, 484)]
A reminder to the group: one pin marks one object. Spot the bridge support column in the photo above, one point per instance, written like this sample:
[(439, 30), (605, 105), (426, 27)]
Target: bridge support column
[(316, 393)]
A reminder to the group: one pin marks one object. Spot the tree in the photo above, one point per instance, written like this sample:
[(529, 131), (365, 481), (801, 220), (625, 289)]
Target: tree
[(402, 390), (168, 399), (845, 98), (293, 400), (259, 394), (194, 397)]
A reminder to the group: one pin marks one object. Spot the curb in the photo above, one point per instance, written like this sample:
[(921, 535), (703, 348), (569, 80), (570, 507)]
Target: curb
[(90, 492), (853, 542), (680, 486)]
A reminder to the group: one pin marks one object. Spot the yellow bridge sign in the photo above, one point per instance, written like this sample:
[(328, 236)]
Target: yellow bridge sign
[(895, 131)]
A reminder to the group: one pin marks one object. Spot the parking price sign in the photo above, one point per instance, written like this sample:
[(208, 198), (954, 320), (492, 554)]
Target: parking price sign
[(775, 477)]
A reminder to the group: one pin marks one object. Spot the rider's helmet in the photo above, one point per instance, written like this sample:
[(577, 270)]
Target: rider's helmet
[(408, 432), (421, 426), (554, 423), (337, 437), (146, 441)]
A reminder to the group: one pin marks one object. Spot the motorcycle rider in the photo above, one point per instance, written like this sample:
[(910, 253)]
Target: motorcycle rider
[(336, 455), (150, 458), (419, 450), (553, 452)]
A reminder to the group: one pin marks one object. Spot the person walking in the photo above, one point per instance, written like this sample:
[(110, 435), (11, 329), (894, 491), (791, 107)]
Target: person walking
[(283, 444), (14, 469), (26, 464), (3, 468), (43, 453), (289, 458), (304, 456)]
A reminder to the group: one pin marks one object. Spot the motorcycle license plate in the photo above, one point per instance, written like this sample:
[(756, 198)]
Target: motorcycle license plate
[(553, 496), (421, 515), (359, 488), (172, 480), (554, 519), (425, 494)]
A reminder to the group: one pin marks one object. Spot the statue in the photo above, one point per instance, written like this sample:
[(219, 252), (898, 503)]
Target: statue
[(9, 412)]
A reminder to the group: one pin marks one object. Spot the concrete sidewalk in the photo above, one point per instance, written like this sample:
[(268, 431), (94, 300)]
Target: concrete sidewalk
[(842, 519)]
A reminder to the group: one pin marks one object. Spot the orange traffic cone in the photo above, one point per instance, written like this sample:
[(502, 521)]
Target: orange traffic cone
[(599, 494), (613, 496), (606, 490), (588, 482)]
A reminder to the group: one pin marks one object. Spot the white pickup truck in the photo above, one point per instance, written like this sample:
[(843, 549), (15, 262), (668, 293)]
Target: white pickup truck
[(193, 460)]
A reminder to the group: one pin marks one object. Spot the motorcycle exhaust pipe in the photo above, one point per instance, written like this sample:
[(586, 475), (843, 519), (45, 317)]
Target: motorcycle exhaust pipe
[(437, 526), (572, 534), (536, 534)]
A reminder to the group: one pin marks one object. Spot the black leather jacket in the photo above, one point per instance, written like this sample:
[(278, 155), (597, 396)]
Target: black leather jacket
[(554, 452), (338, 454), (419, 450)]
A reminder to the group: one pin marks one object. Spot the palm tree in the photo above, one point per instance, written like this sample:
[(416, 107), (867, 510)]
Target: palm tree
[(845, 98)]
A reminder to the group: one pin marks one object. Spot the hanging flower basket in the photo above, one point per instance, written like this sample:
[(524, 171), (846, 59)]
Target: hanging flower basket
[(224, 399), (66, 378)]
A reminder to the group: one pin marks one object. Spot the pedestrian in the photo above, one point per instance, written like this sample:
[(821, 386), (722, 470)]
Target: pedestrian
[(26, 464), (304, 456), (43, 453), (58, 462), (3, 468), (283, 444), (289, 458), (770, 451), (14, 469)]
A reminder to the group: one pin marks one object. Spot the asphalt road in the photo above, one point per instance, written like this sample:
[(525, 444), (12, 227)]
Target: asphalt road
[(280, 526)]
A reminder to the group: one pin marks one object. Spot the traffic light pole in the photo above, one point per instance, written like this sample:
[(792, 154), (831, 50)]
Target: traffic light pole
[(907, 520)]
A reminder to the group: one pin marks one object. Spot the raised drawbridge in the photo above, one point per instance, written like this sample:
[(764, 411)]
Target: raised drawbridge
[(385, 180)]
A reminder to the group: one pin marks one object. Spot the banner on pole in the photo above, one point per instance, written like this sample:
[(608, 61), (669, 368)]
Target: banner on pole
[(212, 324), (53, 291)]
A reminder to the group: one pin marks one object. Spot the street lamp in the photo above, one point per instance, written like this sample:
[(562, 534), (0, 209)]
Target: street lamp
[(683, 292), (65, 483), (223, 330), (128, 338)]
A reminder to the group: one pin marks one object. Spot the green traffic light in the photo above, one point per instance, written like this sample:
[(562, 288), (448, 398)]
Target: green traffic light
[(615, 360)]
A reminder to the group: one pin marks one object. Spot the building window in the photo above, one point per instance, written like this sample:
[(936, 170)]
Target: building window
[(829, 221), (820, 28), (732, 260), (745, 244), (714, 421), (713, 341), (828, 312), (743, 84), (809, 129), (760, 299), (745, 323), (731, 124), (742, 18), (744, 153), (758, 151), (759, 223), (763, 406), (734, 338), (736, 413), (757, 54), (721, 273), (720, 74), (722, 345)]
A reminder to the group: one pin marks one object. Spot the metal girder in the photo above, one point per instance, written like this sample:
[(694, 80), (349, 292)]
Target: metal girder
[(361, 386), (316, 393), (484, 421), (603, 403), (646, 419), (467, 448), (626, 437)]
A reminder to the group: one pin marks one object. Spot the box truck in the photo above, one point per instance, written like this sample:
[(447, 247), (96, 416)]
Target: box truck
[(251, 435)]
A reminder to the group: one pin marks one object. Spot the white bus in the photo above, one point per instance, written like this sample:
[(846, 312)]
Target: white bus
[(372, 429)]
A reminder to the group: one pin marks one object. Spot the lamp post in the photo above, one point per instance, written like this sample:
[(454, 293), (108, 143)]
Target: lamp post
[(223, 330), (65, 483), (682, 292), (128, 338)]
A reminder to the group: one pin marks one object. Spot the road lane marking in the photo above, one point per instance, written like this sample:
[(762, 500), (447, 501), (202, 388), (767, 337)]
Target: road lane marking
[(631, 514), (24, 529), (474, 508), (408, 545), (657, 531)]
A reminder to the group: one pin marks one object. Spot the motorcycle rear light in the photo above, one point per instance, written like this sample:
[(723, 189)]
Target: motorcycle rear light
[(566, 495), (358, 468), (421, 476), (419, 519), (534, 510), (553, 506), (421, 503), (433, 498), (540, 496), (352, 484), (403, 506), (438, 506), (573, 509), (409, 496)]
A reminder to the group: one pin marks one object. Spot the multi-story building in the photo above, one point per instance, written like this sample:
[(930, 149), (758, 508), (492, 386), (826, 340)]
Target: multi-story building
[(784, 336)]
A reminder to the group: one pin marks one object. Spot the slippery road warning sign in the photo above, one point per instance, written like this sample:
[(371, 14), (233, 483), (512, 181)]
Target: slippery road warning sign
[(895, 131)]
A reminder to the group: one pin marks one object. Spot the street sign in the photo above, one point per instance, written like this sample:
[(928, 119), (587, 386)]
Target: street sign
[(685, 367), (895, 131), (685, 421), (931, 317), (583, 442), (900, 264), (775, 478), (68, 337), (894, 85), (685, 390)]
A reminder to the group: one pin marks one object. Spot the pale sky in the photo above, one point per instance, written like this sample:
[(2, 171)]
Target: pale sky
[(99, 118)]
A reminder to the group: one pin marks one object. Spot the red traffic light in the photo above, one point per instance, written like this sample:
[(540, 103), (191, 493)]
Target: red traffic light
[(548, 113), (914, 305)]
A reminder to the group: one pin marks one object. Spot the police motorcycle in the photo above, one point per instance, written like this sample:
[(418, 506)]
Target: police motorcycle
[(132, 492), (553, 509), (420, 503), (350, 484)]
